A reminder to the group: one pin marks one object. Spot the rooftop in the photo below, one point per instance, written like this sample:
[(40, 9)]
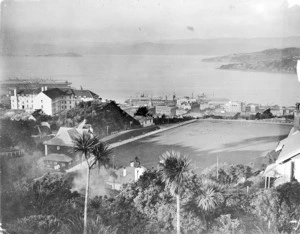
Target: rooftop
[(57, 92), (289, 147), (57, 158), (65, 136)]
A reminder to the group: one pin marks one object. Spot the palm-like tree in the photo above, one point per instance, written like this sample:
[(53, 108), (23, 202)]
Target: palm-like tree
[(102, 153), (95, 152), (208, 199), (173, 170), (210, 195)]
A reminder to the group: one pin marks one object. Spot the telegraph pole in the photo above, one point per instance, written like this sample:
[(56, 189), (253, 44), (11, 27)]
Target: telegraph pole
[(217, 168), (1, 230)]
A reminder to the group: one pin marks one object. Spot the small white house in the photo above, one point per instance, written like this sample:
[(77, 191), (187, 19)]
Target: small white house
[(129, 174), (287, 166), (145, 121)]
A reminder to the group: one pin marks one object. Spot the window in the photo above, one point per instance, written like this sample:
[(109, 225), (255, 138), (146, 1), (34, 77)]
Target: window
[(58, 147)]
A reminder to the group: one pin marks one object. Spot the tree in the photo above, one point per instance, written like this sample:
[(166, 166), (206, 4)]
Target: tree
[(101, 153), (142, 111), (173, 171), (209, 197), (86, 144)]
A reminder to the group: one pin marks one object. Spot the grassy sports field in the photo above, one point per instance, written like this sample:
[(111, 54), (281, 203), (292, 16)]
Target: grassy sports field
[(205, 141)]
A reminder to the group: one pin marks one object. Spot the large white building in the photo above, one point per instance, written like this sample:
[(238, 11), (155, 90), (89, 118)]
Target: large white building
[(24, 99), (53, 101)]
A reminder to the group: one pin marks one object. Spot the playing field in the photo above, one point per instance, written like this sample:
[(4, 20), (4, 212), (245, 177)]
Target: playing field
[(204, 142)]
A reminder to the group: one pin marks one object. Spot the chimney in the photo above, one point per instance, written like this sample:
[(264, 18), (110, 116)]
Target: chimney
[(124, 171), (46, 88), (136, 174), (15, 92), (132, 163), (42, 89)]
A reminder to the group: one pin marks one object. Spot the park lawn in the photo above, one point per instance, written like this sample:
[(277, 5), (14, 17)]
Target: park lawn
[(205, 141)]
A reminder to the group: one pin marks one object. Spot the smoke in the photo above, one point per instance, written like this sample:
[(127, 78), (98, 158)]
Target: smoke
[(97, 182), (15, 169)]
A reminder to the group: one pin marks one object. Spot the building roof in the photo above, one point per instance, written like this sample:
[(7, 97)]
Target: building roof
[(57, 158), (28, 91), (82, 93), (65, 136), (54, 93), (57, 92), (290, 147)]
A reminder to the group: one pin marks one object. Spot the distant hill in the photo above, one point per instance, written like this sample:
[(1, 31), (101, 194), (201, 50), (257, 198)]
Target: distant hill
[(69, 54), (271, 60), (216, 46)]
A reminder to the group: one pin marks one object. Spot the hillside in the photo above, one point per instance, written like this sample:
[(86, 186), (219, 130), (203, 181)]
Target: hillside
[(104, 117), (272, 60)]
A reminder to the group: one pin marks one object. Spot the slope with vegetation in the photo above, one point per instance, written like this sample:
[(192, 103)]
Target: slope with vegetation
[(105, 118)]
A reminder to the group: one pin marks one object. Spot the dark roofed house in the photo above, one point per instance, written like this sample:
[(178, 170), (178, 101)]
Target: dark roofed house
[(63, 143)]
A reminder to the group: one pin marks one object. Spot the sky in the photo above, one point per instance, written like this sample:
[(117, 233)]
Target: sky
[(155, 20)]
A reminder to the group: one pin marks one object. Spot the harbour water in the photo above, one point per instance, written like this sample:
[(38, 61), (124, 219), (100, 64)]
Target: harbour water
[(122, 76)]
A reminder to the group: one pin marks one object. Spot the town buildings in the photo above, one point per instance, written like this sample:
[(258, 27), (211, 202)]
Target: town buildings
[(169, 111), (234, 107)]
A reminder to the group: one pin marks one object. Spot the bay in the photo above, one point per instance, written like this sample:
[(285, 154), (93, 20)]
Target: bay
[(117, 77)]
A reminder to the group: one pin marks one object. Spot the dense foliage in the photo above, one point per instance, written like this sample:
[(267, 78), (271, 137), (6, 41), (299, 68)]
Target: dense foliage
[(208, 205)]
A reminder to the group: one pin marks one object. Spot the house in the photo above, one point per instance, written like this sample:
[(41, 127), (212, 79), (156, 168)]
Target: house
[(59, 162), (62, 142), (24, 99), (54, 101), (287, 166), (145, 121), (125, 175)]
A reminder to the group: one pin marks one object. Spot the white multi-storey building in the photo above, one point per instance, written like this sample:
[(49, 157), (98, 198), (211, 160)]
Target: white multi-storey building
[(24, 99)]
